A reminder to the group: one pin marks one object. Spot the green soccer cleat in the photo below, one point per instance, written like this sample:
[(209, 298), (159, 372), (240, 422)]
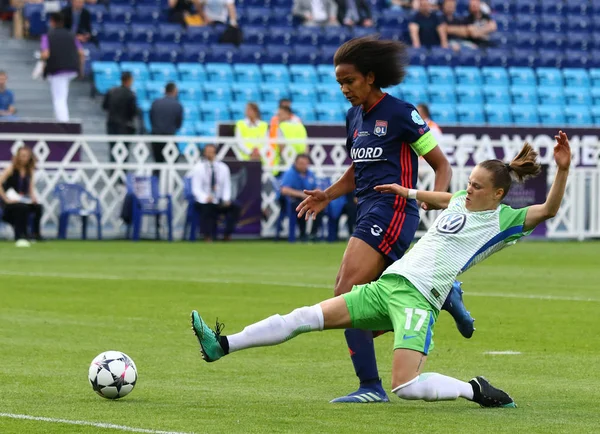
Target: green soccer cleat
[(210, 344), (487, 395)]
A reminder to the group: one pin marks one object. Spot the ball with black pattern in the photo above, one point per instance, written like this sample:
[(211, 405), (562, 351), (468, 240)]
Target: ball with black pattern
[(112, 374)]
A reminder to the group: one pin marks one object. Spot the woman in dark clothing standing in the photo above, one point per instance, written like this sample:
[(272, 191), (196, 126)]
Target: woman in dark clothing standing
[(17, 196)]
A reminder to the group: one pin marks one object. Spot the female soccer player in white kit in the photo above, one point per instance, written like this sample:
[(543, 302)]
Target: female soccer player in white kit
[(408, 296)]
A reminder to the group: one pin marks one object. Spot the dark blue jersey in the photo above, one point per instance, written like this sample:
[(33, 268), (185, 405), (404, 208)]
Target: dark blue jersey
[(385, 144)]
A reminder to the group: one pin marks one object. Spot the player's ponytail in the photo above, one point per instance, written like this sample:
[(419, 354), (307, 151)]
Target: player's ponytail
[(525, 165)]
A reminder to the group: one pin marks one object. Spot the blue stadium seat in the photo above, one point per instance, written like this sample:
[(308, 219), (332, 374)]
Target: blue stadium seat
[(496, 94), (327, 53), (121, 13), (526, 40), (595, 112), (501, 39), (171, 33), (552, 23), (309, 36), (469, 94), (166, 52), (211, 112), (359, 32), (215, 91), (147, 14), (551, 7), (257, 16), (527, 7), (245, 92), (578, 96), (578, 116), (139, 51), (444, 114), (244, 73), (526, 23), (524, 115), (191, 113), (498, 114), (336, 35), (418, 56), (113, 32), (238, 110), (579, 23), (274, 91), (595, 94), (277, 54), (441, 94), (391, 33), (275, 73), (255, 35), (579, 41), (96, 11), (142, 33), (194, 53), (280, 35), (416, 75), (280, 15), (190, 91), (576, 77), (303, 92), (469, 58), (594, 77), (162, 71), (250, 54), (330, 112), (595, 40), (395, 91), (594, 61), (468, 75), (206, 129), (552, 40), (551, 115), (191, 72), (579, 7), (393, 18), (326, 74), (502, 6), (219, 72), (441, 74), (415, 93), (306, 111), (495, 76), (223, 53), (327, 93), (497, 57), (303, 73), (204, 35), (505, 22), (549, 77), (551, 95), (106, 70), (441, 56), (139, 70), (111, 51), (576, 59), (304, 54), (155, 89), (523, 57), (470, 114), (524, 94)]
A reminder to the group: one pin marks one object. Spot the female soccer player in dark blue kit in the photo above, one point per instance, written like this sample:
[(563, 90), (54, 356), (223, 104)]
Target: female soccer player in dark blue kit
[(385, 138)]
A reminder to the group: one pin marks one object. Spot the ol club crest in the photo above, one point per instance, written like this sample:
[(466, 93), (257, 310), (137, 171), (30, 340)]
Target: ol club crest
[(380, 128)]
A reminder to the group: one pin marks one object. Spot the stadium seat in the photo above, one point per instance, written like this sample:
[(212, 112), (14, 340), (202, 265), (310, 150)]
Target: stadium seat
[(211, 112), (191, 113), (576, 77), (223, 53), (147, 203), (303, 74), (219, 72), (70, 199), (552, 23), (145, 14), (444, 114), (441, 74), (191, 91), (529, 39), (578, 41), (336, 35), (330, 112), (161, 71), (204, 35), (526, 23), (328, 93), (552, 115), (111, 51), (468, 75), (245, 73), (495, 76), (245, 92), (142, 33), (139, 51), (418, 56), (309, 36), (139, 70), (274, 73), (280, 15), (549, 77), (497, 57), (237, 110), (194, 53), (549, 58), (280, 35), (470, 114), (441, 56), (326, 74), (578, 116), (523, 7), (114, 32), (496, 94), (523, 94), (551, 95), (327, 53), (273, 92), (524, 115), (255, 35), (206, 129), (165, 52), (551, 7), (359, 32), (579, 23), (217, 91), (416, 75), (139, 88), (304, 55), (415, 94), (392, 33), (595, 112), (155, 89), (578, 96), (170, 33), (106, 70), (302, 92), (498, 114), (121, 14), (277, 54), (469, 94), (522, 57), (191, 72), (441, 94), (552, 40), (257, 16), (470, 58), (250, 54), (577, 59)]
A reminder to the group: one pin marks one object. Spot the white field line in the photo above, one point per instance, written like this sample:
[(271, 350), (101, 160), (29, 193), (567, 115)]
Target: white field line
[(502, 353), (86, 423), (268, 283)]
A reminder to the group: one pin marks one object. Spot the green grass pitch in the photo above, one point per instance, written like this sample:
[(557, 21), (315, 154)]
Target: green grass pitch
[(62, 303)]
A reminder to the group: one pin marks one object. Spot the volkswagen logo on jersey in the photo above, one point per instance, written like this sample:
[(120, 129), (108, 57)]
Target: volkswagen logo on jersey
[(416, 117), (451, 223), (380, 128)]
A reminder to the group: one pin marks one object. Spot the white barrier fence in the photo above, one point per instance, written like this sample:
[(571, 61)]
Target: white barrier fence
[(578, 218)]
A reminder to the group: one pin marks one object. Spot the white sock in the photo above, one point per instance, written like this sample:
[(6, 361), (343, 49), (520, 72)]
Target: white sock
[(277, 329), (434, 387)]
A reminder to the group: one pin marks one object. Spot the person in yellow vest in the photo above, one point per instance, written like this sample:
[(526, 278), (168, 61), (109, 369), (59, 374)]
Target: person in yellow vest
[(294, 133), (251, 133)]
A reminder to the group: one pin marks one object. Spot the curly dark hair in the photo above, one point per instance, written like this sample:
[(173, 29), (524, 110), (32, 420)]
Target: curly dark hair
[(387, 60)]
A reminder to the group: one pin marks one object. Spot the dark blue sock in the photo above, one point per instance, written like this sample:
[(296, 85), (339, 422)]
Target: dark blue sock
[(362, 353)]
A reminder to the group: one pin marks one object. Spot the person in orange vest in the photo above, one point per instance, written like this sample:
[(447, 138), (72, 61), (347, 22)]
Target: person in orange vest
[(426, 115), (275, 131)]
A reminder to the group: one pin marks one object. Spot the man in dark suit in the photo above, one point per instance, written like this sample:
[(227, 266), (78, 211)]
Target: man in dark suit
[(78, 20), (120, 105), (354, 12), (166, 117)]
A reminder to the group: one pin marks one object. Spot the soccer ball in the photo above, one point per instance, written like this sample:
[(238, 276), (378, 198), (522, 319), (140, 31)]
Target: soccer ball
[(112, 374)]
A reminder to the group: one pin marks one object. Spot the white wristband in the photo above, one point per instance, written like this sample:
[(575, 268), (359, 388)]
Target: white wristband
[(412, 193)]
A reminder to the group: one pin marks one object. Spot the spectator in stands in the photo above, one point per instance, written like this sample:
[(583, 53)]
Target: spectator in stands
[(7, 99), (120, 105), (292, 131), (433, 127), (211, 187), (354, 12), (316, 12), (295, 180), (17, 196), (219, 11), (456, 26), (78, 20), (166, 117), (181, 10), (427, 28), (481, 24), (274, 131), (251, 133), (64, 58)]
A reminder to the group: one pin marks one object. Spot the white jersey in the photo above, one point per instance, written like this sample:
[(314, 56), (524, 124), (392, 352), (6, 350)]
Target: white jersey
[(457, 240)]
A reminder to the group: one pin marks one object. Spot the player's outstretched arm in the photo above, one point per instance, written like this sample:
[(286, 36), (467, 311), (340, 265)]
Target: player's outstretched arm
[(438, 199), (317, 200), (539, 213)]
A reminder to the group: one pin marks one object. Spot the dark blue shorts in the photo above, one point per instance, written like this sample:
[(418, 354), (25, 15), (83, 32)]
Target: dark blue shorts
[(385, 226)]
